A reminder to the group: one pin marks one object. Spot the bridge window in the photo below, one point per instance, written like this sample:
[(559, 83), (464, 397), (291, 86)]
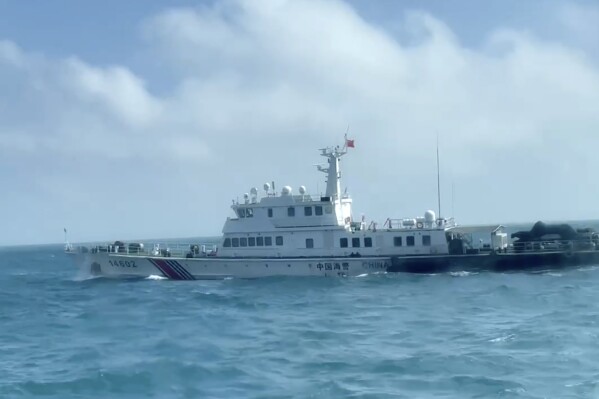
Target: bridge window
[(291, 211), (368, 242), (307, 211), (309, 243), (279, 240), (355, 242), (251, 241), (343, 242), (318, 210), (235, 242), (249, 213), (268, 241), (269, 212), (426, 241), (410, 241), (397, 241), (243, 242), (241, 212), (260, 241), (227, 243)]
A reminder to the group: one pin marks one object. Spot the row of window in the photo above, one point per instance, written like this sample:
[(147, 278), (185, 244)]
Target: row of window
[(245, 212), (397, 241), (252, 241), (411, 241), (343, 242), (317, 210), (355, 242)]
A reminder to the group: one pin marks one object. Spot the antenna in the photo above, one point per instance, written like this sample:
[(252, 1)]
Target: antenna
[(438, 179), (452, 199), (67, 245)]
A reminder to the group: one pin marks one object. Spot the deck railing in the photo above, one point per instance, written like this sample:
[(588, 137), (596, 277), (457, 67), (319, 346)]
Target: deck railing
[(412, 224), (553, 246), (545, 246), (150, 249)]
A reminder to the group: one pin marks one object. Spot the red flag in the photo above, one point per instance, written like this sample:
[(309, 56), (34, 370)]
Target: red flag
[(349, 143)]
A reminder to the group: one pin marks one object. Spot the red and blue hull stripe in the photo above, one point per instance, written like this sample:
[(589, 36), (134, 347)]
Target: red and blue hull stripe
[(171, 269)]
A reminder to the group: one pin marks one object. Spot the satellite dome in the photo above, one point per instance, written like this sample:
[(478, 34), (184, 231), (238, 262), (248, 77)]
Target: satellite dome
[(302, 190), (429, 216), (286, 190)]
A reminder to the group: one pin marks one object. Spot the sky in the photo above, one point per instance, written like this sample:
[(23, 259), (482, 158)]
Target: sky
[(145, 119)]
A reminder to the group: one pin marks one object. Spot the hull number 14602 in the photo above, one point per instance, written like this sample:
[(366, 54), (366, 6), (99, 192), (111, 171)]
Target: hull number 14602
[(122, 263)]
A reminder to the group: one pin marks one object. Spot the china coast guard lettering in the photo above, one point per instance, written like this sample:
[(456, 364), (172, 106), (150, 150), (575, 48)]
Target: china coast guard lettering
[(377, 264)]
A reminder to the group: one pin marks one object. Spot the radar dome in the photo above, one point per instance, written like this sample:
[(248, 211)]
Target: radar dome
[(302, 190), (286, 190), (246, 196), (254, 191), (429, 216), (266, 186)]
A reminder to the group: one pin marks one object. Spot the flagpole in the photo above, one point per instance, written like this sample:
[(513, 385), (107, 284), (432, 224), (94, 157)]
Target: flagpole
[(345, 138)]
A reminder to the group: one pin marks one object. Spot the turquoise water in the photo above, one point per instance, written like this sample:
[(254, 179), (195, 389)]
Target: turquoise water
[(520, 335)]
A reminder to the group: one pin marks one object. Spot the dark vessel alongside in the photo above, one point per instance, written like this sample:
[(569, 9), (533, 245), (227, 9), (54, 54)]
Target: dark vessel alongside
[(544, 246)]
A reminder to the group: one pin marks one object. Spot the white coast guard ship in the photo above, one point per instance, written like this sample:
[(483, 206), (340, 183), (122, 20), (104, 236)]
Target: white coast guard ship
[(281, 234)]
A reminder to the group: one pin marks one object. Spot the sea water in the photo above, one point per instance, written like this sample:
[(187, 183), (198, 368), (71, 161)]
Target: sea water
[(458, 335)]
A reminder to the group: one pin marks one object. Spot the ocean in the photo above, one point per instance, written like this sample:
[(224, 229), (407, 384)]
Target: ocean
[(459, 335)]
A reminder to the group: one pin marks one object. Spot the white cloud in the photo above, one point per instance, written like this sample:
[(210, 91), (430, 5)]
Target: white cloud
[(116, 88), (262, 84)]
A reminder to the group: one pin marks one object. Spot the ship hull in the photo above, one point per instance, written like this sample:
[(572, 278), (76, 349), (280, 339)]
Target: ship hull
[(207, 268), (495, 262), (114, 265)]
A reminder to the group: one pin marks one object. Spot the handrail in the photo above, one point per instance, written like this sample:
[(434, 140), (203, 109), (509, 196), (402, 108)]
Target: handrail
[(151, 249), (413, 224), (553, 246)]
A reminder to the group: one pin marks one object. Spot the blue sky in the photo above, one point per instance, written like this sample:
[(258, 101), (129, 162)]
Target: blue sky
[(143, 119)]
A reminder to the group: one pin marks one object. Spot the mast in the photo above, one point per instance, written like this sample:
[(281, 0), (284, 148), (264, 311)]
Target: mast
[(438, 180), (333, 171)]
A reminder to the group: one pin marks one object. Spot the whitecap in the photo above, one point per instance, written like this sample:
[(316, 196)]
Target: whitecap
[(586, 268), (574, 385), (155, 277), (553, 274), (362, 275), (84, 275), (504, 338), (462, 273)]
